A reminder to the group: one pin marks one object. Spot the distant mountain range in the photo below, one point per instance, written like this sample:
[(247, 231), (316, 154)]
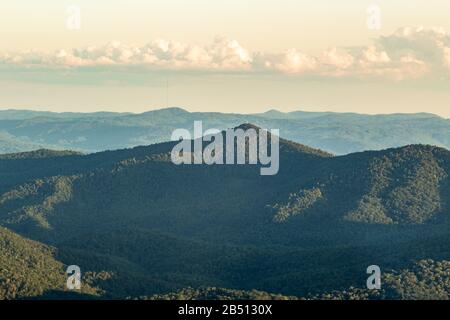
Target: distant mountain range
[(140, 226), (338, 133)]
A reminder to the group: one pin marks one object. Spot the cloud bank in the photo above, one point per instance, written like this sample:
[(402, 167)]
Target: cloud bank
[(409, 53)]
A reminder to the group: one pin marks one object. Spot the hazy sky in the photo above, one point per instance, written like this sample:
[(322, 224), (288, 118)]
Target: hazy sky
[(228, 56)]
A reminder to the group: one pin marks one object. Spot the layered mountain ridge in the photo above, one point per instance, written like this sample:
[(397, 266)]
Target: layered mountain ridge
[(338, 133), (156, 227)]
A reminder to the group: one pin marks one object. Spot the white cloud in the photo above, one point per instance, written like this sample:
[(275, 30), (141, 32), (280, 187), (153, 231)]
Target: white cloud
[(337, 58), (372, 55), (292, 61), (407, 53), (446, 57)]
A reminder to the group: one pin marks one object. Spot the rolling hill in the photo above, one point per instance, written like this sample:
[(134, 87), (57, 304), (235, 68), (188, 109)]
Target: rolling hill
[(425, 280), (148, 227), (30, 269), (338, 133)]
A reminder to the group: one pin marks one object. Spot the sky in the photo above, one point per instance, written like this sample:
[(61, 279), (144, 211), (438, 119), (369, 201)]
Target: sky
[(243, 56)]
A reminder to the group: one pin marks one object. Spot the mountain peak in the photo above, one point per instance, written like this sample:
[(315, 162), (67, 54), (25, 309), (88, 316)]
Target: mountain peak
[(287, 144), (247, 126), (273, 111), (170, 110)]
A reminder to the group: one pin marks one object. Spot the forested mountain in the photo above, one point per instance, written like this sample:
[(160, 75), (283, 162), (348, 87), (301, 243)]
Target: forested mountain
[(426, 280), (141, 226), (338, 133), (29, 269)]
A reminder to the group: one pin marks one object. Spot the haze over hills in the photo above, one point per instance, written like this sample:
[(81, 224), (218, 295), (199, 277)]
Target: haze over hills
[(147, 227), (338, 133)]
